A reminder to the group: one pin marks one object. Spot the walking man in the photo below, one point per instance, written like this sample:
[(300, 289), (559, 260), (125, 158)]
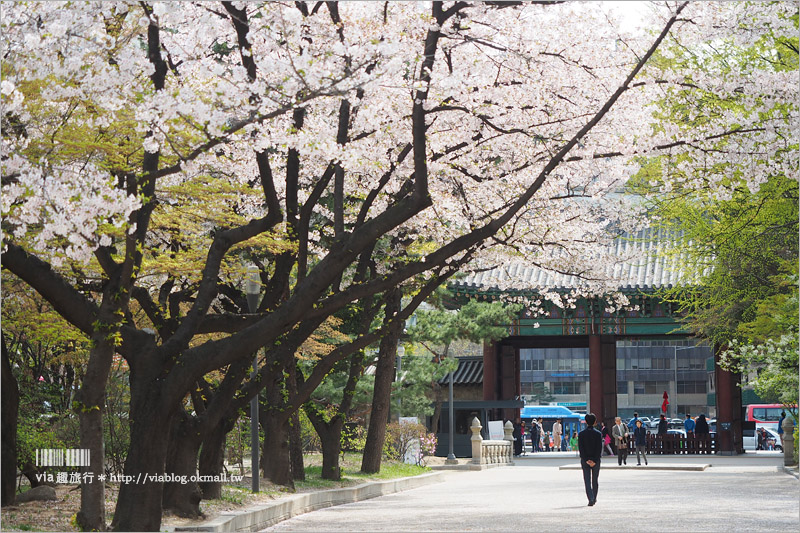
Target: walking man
[(590, 448), (640, 441), (620, 434)]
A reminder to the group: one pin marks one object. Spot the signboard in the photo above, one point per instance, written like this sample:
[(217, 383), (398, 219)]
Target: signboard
[(412, 453), (496, 430)]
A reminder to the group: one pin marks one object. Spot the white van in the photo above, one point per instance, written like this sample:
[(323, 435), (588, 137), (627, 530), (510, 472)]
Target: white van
[(749, 439)]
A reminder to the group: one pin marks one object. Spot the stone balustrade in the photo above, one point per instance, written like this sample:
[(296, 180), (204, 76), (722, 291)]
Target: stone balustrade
[(491, 452)]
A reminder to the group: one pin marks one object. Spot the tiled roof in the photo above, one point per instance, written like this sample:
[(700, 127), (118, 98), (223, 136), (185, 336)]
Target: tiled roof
[(639, 267), (469, 372)]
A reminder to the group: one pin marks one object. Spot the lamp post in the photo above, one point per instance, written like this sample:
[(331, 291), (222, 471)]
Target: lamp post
[(400, 352), (451, 457), (675, 360), (253, 291)]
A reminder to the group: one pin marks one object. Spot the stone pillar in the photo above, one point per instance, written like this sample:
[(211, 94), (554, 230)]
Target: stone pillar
[(788, 442), (508, 436), (476, 440)]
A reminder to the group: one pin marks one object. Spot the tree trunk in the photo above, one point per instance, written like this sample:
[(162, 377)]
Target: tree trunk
[(382, 391), (296, 448), (8, 428), (183, 496), (212, 456), (437, 414), (90, 402), (30, 471), (139, 502), (275, 459), (330, 437)]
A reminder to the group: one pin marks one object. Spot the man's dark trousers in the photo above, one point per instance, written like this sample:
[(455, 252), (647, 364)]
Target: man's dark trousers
[(590, 475)]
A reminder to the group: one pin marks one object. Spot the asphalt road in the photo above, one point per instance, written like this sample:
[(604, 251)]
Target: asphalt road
[(750, 494)]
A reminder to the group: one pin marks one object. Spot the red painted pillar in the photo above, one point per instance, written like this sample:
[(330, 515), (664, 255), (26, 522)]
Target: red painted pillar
[(508, 379), (603, 378), (518, 377), (596, 377), (729, 410), (608, 344), (489, 370)]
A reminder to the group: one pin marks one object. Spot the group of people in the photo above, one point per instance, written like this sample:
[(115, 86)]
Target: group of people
[(592, 443), (621, 435), (765, 440), (542, 440)]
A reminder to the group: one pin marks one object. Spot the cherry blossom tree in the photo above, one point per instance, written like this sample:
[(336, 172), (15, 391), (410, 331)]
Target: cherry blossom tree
[(352, 149)]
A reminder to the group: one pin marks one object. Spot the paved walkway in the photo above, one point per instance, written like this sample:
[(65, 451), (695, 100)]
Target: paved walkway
[(750, 494)]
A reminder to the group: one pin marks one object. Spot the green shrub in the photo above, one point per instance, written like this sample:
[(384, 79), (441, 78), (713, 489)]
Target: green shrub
[(404, 439)]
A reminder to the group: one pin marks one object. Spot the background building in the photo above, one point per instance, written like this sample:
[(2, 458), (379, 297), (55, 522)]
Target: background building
[(645, 369)]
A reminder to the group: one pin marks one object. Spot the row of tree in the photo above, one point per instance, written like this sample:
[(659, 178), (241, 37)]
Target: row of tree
[(359, 155)]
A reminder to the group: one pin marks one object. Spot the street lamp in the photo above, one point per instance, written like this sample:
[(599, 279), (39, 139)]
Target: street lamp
[(451, 457), (253, 291), (675, 360)]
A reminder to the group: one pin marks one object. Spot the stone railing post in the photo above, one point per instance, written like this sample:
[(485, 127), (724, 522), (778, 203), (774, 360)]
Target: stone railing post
[(788, 442), (508, 436), (476, 440)]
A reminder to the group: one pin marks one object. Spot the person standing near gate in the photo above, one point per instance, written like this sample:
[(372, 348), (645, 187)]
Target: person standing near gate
[(518, 438), (640, 441), (662, 425), (620, 434), (780, 427), (557, 428), (688, 425), (535, 436), (701, 432), (590, 448)]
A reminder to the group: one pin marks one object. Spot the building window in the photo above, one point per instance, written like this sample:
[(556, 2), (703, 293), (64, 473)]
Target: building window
[(568, 387), (692, 387), (537, 364), (661, 364), (622, 387), (655, 387), (650, 387)]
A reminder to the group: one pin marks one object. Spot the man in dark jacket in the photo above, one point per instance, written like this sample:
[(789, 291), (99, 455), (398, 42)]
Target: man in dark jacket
[(518, 438), (702, 433), (535, 436), (590, 447), (662, 425)]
